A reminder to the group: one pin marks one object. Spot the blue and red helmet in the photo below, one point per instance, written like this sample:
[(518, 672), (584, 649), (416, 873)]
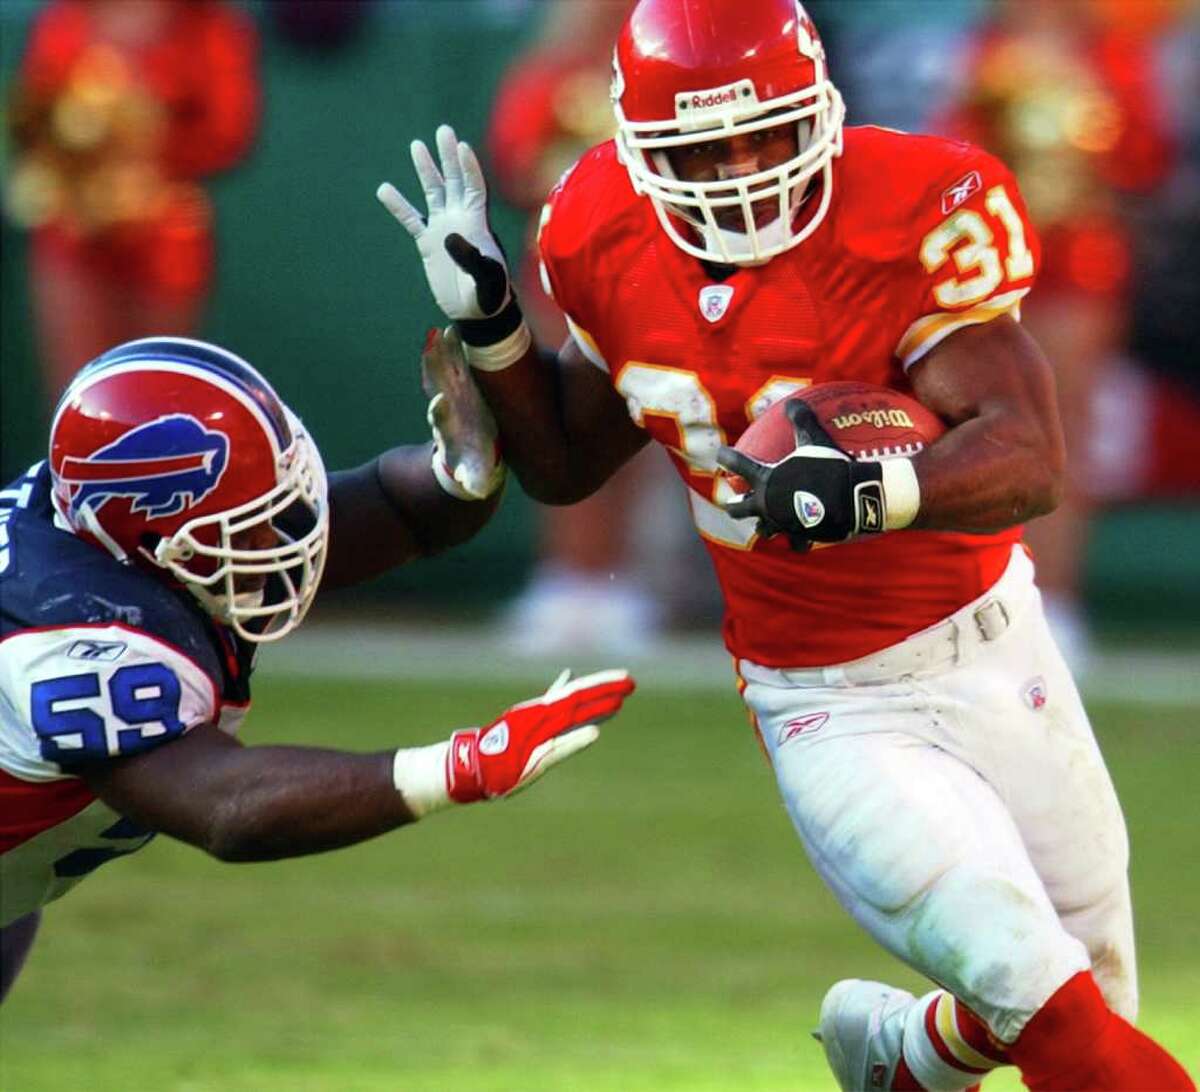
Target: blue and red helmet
[(178, 456)]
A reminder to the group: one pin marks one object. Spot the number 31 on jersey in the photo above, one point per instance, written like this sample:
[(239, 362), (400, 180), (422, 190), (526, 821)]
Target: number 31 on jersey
[(966, 236)]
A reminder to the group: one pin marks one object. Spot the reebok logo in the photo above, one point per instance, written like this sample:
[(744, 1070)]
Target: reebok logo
[(870, 509), (955, 195), (805, 725), (96, 650)]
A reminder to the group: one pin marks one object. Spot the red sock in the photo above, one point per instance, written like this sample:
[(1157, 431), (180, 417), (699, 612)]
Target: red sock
[(1075, 1041), (904, 1081)]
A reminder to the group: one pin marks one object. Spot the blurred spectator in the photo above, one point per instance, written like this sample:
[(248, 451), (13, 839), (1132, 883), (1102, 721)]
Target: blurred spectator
[(897, 62), (552, 105), (1068, 95), (319, 26), (119, 108)]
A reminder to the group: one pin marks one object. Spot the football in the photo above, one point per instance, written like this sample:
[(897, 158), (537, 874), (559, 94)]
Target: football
[(863, 420)]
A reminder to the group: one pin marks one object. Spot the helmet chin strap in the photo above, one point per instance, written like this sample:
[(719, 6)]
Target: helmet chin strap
[(774, 234), (92, 525), (223, 607), (735, 242)]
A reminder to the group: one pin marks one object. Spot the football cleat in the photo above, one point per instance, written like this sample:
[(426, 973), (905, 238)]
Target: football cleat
[(862, 1029)]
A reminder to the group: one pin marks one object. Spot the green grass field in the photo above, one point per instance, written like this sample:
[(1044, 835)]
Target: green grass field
[(643, 919)]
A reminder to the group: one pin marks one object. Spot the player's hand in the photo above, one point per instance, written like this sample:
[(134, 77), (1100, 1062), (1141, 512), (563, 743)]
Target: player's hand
[(523, 743), (466, 453), (815, 494), (463, 262)]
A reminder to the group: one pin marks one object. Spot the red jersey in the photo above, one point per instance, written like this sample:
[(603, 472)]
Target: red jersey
[(923, 236)]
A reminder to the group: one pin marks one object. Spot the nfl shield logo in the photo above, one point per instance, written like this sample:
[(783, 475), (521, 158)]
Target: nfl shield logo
[(1035, 693), (809, 509), (714, 301), (495, 741)]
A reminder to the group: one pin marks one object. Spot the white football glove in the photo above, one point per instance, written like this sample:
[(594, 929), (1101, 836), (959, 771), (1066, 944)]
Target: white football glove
[(463, 262), (466, 453), (456, 197)]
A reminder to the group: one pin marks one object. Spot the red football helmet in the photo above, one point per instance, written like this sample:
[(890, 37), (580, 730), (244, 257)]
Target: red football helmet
[(687, 72), (178, 456)]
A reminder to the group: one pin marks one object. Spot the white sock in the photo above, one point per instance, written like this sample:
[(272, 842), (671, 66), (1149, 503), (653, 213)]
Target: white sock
[(934, 1048)]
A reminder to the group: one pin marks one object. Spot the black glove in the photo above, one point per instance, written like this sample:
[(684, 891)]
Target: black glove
[(815, 494)]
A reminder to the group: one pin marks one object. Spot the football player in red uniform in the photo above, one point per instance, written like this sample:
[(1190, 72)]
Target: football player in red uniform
[(183, 517), (735, 243)]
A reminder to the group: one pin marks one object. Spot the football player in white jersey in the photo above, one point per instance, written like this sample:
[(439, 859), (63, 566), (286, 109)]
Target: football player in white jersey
[(182, 518)]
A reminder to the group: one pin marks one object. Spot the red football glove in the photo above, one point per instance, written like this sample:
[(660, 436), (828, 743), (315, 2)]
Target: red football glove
[(515, 750)]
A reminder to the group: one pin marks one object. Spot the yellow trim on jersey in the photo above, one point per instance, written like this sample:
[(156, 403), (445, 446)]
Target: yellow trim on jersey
[(586, 343), (929, 330)]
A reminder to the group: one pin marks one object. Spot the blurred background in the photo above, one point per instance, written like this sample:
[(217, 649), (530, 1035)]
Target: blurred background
[(258, 153), (209, 168)]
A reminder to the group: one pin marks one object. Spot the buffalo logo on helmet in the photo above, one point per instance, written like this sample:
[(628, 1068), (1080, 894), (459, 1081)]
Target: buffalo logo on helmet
[(164, 466)]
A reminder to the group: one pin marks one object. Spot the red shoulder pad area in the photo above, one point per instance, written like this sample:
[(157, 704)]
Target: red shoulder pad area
[(591, 223), (949, 218), (892, 188)]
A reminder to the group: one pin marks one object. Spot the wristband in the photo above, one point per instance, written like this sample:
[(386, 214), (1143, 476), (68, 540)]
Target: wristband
[(503, 354), (493, 344), (901, 493), (419, 774)]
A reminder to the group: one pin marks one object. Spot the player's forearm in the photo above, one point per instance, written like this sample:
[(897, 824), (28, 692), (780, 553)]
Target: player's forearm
[(1002, 461), (987, 474), (253, 803), (291, 801), (392, 510), (527, 404), (435, 519), (262, 803)]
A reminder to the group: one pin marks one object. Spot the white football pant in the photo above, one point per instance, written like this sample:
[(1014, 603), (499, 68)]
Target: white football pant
[(950, 792)]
